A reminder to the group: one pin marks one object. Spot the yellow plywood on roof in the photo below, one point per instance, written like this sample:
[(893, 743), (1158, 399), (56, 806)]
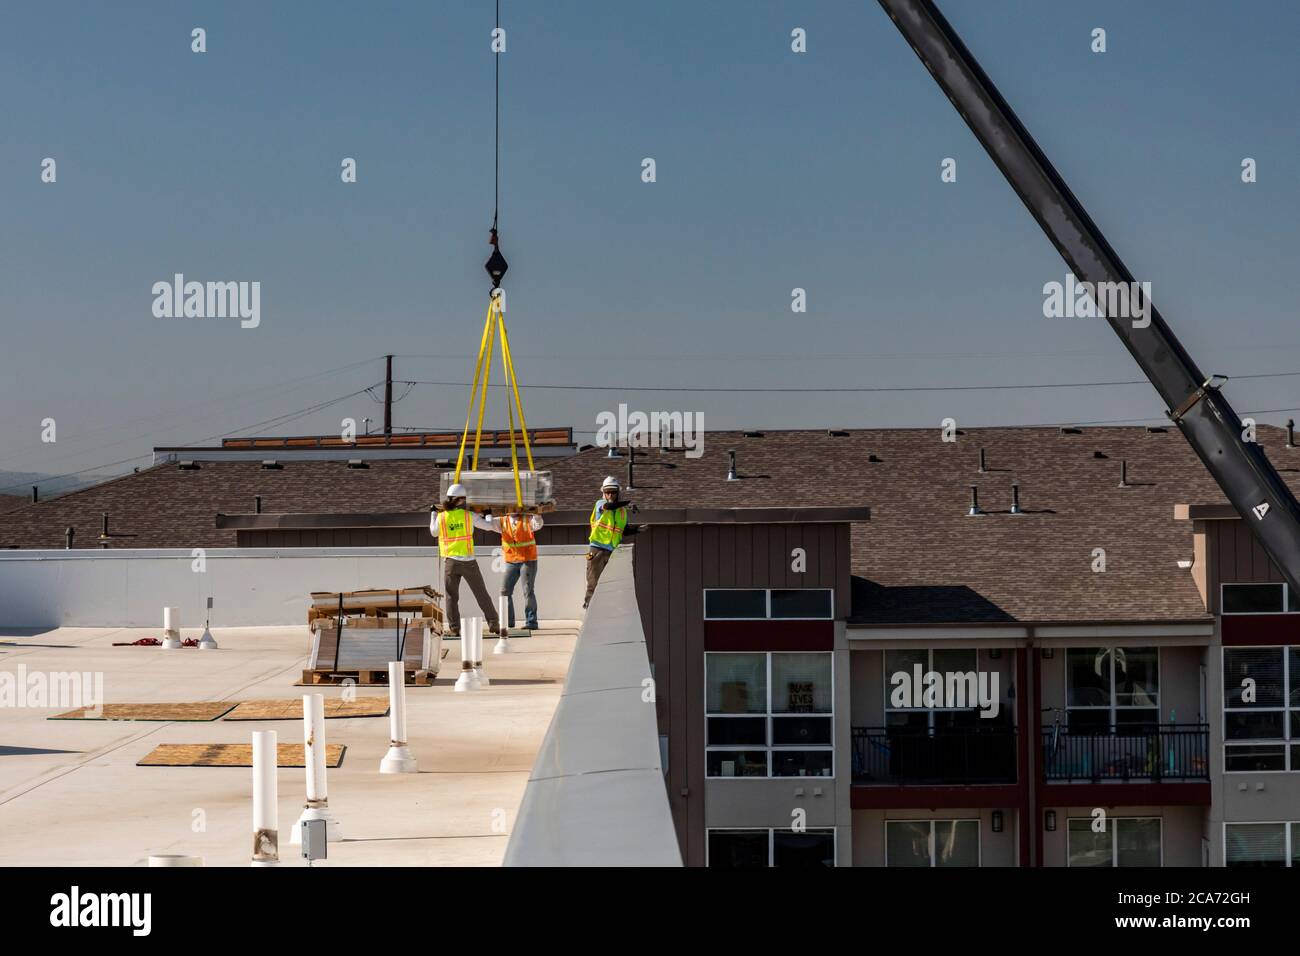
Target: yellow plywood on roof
[(291, 708), (198, 710), (231, 755)]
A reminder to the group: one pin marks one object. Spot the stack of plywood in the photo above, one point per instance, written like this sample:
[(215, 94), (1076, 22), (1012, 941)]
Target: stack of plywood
[(356, 634), (423, 602)]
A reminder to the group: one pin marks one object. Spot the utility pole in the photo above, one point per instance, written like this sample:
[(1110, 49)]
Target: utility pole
[(388, 396)]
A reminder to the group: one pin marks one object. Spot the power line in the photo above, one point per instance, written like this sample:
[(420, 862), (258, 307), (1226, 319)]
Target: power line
[(278, 420), (221, 408), (836, 389)]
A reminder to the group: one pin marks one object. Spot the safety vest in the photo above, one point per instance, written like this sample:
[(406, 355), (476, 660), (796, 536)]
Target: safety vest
[(607, 526), (517, 541), (455, 534)]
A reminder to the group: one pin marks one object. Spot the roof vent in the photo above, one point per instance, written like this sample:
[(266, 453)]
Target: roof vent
[(984, 464), (731, 469), (1070, 430), (1156, 429), (499, 462), (753, 434), (1015, 498), (1290, 433), (837, 433), (1123, 474), (448, 463), (580, 448), (271, 464), (874, 457), (357, 463), (1099, 454), (974, 502), (188, 466), (613, 453)]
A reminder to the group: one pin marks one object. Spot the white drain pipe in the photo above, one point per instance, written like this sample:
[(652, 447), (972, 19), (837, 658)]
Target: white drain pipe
[(171, 628), (399, 758), (503, 642), (478, 653), (468, 679), (266, 823), (317, 806)]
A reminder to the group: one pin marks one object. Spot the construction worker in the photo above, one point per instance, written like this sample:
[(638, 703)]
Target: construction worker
[(519, 548), (608, 520), (453, 525)]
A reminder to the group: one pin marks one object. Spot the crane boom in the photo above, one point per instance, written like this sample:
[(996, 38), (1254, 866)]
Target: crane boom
[(1196, 404)]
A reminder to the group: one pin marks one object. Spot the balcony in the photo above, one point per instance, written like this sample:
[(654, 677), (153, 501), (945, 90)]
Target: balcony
[(1146, 753), (952, 756)]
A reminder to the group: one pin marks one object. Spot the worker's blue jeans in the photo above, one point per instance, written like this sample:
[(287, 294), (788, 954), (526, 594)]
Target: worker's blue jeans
[(529, 571)]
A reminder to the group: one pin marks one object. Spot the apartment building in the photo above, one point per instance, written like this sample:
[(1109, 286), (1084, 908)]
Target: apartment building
[(1129, 658)]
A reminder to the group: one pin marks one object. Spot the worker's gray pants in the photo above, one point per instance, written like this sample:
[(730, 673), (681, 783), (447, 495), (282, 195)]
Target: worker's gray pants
[(597, 558), (452, 573)]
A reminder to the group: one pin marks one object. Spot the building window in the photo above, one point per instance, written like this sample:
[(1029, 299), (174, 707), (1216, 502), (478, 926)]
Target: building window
[(932, 843), (769, 715), (1261, 844), (1255, 599), (1261, 709), (763, 848), (1112, 687), (1124, 841), (943, 661), (762, 604)]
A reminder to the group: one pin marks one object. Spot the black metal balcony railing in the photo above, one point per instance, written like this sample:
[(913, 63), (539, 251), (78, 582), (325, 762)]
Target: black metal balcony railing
[(895, 755), (1147, 752)]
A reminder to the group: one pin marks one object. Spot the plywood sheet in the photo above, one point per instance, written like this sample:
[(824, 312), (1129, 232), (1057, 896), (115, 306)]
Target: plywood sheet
[(231, 755), (198, 710), (291, 708)]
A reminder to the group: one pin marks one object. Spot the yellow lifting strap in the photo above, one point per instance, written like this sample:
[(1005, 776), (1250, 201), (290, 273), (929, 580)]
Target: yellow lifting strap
[(493, 325)]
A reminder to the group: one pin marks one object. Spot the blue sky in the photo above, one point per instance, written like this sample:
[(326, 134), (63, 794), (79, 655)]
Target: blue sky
[(775, 171)]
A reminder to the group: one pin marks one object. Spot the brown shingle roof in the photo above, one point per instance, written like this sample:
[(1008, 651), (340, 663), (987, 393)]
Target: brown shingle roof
[(919, 560)]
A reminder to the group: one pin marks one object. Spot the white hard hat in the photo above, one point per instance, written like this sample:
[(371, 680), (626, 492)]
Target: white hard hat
[(457, 491), (610, 482)]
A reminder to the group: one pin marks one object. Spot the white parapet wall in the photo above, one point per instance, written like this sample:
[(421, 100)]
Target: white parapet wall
[(249, 586)]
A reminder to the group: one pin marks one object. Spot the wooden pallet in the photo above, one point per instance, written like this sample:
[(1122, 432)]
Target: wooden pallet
[(543, 508), (362, 678)]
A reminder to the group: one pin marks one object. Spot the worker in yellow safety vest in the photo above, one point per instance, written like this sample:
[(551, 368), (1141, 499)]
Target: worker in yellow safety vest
[(453, 525), (519, 548), (608, 522)]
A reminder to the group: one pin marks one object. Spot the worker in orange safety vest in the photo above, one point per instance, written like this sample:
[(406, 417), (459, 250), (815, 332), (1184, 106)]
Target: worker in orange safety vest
[(519, 548)]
